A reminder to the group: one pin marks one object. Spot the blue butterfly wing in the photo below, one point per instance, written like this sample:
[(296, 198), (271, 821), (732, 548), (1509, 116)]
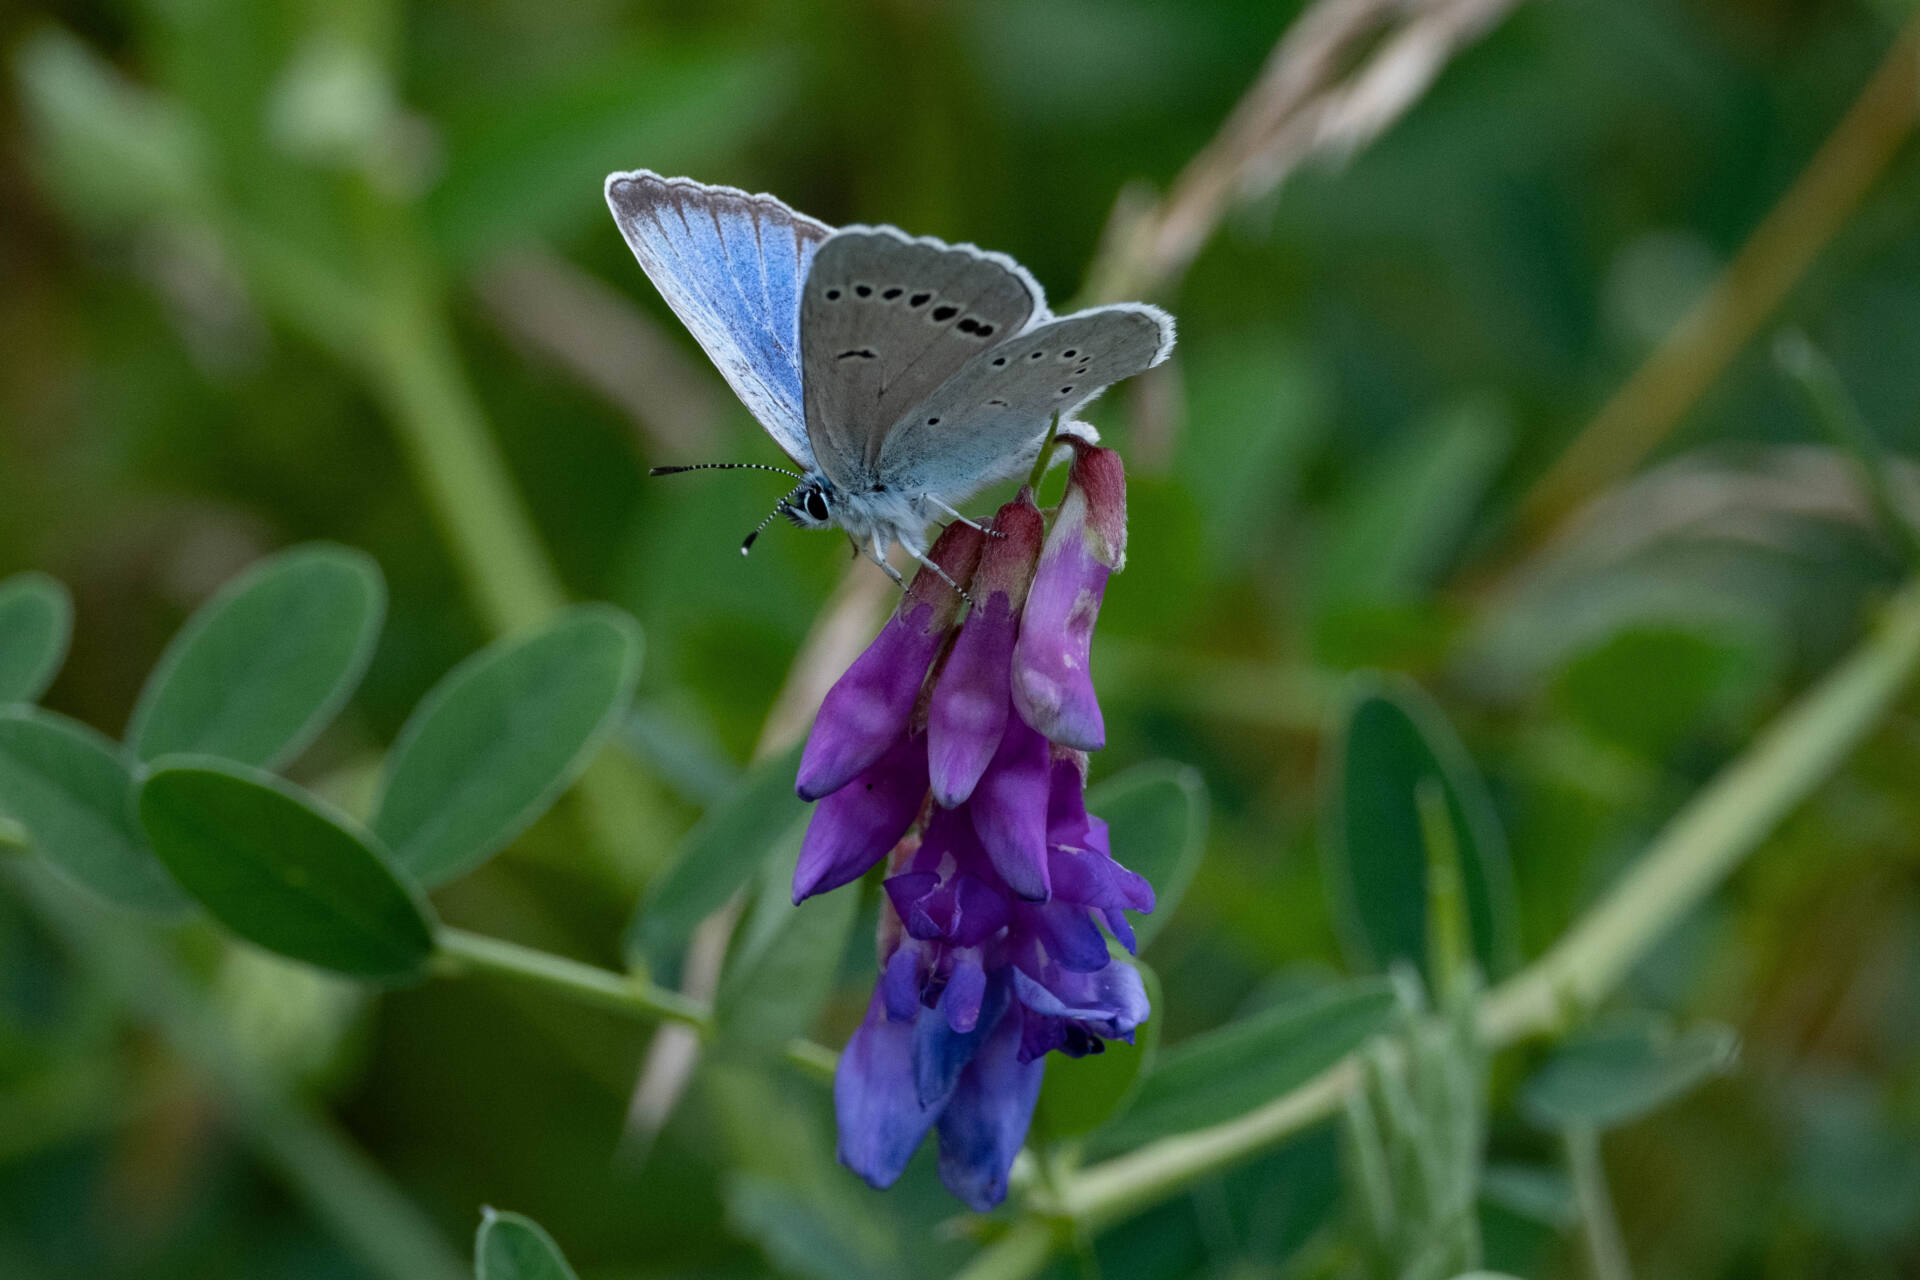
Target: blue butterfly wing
[(731, 266)]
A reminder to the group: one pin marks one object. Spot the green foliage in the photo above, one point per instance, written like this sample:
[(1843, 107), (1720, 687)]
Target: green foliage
[(71, 791), (501, 737), (1618, 1071), (1391, 737), (510, 1246), (266, 663), (271, 863), (1157, 821), (1213, 1077), (36, 621), (1077, 1100), (717, 857), (783, 965)]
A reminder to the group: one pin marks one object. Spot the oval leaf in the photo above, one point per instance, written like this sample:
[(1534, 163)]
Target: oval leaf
[(512, 1247), (1613, 1074), (36, 621), (68, 787), (720, 854), (501, 737), (275, 866), (1391, 739), (264, 665), (1214, 1077), (1157, 817), (782, 967), (1077, 1097)]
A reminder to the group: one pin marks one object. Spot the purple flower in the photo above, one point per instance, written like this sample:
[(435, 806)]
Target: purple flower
[(869, 705), (1052, 682), (974, 695), (1002, 892), (859, 824)]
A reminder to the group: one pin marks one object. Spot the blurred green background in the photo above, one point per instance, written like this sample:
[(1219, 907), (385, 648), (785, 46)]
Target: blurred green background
[(247, 247)]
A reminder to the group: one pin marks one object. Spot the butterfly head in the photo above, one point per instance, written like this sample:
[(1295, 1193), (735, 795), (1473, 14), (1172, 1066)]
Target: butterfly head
[(811, 505)]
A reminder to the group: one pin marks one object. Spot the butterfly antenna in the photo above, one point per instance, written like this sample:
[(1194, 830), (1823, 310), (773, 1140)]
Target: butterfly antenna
[(722, 466), (781, 506)]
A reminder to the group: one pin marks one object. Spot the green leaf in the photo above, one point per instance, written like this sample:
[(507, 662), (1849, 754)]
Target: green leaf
[(501, 737), (512, 1247), (803, 1237), (1398, 524), (1077, 1097), (1537, 1193), (70, 789), (1214, 1077), (718, 856), (36, 621), (786, 957), (274, 865), (264, 665), (1615, 1073), (1392, 737), (1157, 817)]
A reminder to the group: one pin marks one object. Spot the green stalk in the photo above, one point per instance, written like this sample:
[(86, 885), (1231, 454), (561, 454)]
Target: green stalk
[(1605, 1249), (1691, 856), (458, 952), (1834, 409)]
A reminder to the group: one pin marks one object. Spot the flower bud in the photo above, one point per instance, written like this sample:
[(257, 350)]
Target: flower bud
[(1052, 682), (870, 704), (973, 697)]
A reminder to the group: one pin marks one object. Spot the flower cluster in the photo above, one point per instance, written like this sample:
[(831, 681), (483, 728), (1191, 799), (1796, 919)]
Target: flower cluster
[(957, 750)]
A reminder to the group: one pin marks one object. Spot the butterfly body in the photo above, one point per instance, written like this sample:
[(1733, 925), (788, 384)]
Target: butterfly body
[(901, 374)]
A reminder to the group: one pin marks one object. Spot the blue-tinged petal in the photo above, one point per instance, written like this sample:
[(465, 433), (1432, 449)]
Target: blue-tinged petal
[(986, 1119), (940, 1052), (881, 1120)]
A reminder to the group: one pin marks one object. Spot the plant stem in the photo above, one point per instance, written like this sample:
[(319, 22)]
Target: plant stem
[(1654, 400), (1021, 1252), (1707, 839), (1696, 850), (1605, 1248), (461, 952), (1834, 409)]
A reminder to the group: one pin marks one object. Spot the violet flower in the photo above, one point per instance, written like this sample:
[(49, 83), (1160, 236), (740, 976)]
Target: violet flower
[(1052, 682), (868, 706), (1002, 890)]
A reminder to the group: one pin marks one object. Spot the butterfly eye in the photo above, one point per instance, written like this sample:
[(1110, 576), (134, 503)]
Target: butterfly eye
[(816, 504)]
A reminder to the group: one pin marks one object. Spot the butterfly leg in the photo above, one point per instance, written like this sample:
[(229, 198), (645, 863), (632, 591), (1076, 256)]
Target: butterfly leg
[(991, 533), (938, 571)]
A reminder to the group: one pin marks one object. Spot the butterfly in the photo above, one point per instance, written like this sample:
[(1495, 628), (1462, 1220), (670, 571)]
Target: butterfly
[(899, 373)]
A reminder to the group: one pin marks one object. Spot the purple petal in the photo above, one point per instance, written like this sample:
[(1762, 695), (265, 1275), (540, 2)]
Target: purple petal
[(868, 707), (972, 701), (986, 1119), (881, 1120), (1052, 680), (1009, 810), (981, 910), (1069, 935), (940, 1051), (1112, 1002), (1067, 820), (900, 983), (860, 823), (966, 992)]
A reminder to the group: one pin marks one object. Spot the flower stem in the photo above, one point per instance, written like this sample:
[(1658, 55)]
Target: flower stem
[(1605, 1248), (459, 952), (1697, 850), (1834, 408)]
